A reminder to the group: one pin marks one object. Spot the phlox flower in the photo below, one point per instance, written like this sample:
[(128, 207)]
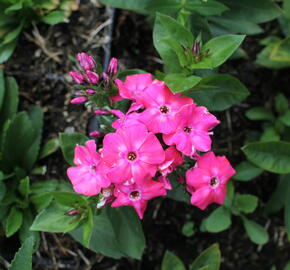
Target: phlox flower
[(207, 180), (192, 133), (173, 158), (132, 152), (88, 177), (124, 119), (134, 85), (137, 195), (161, 106), (86, 61)]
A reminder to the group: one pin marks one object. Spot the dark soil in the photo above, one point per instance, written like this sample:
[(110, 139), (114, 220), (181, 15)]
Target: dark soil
[(41, 72)]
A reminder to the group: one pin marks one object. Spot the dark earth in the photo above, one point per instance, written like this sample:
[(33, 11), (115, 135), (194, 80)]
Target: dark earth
[(41, 63)]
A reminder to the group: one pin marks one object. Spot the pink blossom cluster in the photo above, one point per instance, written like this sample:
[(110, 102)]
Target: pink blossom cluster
[(150, 141)]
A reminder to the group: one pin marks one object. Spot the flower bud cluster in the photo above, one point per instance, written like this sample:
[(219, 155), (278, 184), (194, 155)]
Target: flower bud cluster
[(134, 164)]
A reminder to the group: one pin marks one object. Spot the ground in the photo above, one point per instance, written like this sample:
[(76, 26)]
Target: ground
[(41, 63)]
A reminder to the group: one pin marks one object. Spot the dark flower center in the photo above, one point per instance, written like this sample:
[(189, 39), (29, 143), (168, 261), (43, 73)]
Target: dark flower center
[(164, 109), (187, 129), (131, 156), (93, 167), (134, 195), (214, 182)]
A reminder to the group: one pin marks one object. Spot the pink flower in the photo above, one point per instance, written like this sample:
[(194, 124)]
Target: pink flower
[(132, 152), (90, 92), (100, 112), (95, 134), (165, 181), (161, 106), (192, 133), (107, 196), (135, 195), (77, 77), (78, 100), (173, 158), (86, 61), (92, 77), (89, 175), (207, 180), (113, 67), (124, 119), (134, 85)]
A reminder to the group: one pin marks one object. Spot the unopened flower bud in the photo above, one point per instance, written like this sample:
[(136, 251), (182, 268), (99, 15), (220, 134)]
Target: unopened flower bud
[(90, 92), (113, 67), (100, 112), (78, 100), (73, 212), (77, 77), (92, 77), (195, 48), (95, 134), (86, 61)]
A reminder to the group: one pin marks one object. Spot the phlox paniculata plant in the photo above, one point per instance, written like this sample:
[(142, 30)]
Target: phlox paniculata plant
[(150, 142)]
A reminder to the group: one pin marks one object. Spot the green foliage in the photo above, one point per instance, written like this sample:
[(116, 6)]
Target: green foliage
[(219, 220), (246, 171), (188, 229), (15, 17), (171, 262), (23, 258)]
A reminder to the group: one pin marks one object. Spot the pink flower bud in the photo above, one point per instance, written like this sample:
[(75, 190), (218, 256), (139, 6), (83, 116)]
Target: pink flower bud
[(113, 67), (92, 77), (90, 91), (95, 134), (100, 112), (77, 77), (73, 212), (195, 48), (78, 100), (86, 61)]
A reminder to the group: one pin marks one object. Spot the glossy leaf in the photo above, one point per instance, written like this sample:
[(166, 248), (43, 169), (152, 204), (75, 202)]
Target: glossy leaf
[(24, 187), (247, 171), (54, 17), (256, 232), (49, 147), (68, 141), (171, 262), (23, 258), (209, 259), (13, 222), (178, 82), (218, 92), (6, 50), (270, 156), (246, 203), (53, 219), (219, 220), (70, 199), (259, 113), (218, 49)]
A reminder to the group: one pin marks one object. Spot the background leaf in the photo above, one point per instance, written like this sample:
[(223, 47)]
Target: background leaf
[(218, 220), (255, 231), (171, 262)]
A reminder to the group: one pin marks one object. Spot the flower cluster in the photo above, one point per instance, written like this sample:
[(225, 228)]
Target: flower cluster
[(150, 140)]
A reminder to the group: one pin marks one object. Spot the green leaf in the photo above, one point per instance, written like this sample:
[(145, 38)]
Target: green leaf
[(15, 7), (88, 228), (278, 197), (23, 258), (178, 82), (136, 5), (230, 194), (256, 232), (70, 199), (6, 50), (164, 6), (171, 262), (270, 135), (259, 113), (270, 156), (53, 219), (13, 222), (54, 17), (218, 92), (287, 267), (246, 203), (281, 103), (219, 50), (188, 229), (10, 100), (24, 187), (68, 141), (13, 34), (207, 8), (209, 259), (287, 210), (21, 131), (167, 29), (285, 118), (219, 220), (281, 51), (129, 235), (2, 88), (2, 190), (246, 171)]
